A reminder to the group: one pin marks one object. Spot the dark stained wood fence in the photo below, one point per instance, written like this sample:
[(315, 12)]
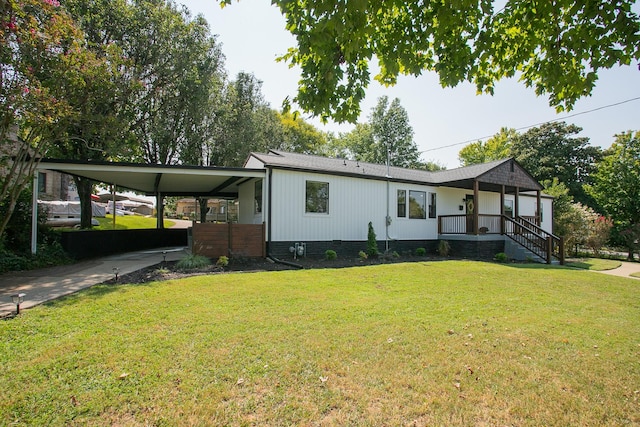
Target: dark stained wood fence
[(232, 240)]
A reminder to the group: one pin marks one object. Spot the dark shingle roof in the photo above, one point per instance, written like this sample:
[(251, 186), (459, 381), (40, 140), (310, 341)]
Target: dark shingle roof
[(458, 177)]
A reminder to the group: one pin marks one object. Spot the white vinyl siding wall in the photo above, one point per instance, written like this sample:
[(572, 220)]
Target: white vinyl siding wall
[(353, 203), (246, 203)]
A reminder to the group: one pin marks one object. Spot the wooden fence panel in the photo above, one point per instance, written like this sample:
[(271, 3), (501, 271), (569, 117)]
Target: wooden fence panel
[(215, 240)]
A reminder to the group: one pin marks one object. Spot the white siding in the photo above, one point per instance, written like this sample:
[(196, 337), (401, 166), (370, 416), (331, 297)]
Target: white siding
[(352, 204), (246, 206), (527, 207)]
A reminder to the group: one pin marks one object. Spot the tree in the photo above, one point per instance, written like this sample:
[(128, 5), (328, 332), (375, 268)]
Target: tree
[(245, 122), (42, 66), (386, 134), (555, 47), (354, 144), (392, 135), (157, 105), (495, 148), (552, 151), (299, 136), (616, 183)]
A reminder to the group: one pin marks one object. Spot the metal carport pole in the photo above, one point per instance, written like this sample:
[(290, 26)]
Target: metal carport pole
[(34, 214)]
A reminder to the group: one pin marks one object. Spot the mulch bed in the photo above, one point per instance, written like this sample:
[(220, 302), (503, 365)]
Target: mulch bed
[(168, 270)]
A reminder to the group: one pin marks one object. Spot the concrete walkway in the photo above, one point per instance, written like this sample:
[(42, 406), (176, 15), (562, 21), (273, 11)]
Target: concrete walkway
[(50, 283), (624, 270)]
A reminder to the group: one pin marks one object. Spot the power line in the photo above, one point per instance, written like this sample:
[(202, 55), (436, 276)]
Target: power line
[(534, 125)]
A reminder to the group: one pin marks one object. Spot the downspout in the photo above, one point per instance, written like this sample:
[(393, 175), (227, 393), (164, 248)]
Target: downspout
[(269, 212), (387, 219)]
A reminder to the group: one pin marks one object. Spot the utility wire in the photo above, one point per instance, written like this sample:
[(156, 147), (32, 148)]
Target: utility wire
[(534, 125)]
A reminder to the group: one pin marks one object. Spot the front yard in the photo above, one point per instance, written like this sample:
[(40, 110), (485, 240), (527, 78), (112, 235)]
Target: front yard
[(425, 343)]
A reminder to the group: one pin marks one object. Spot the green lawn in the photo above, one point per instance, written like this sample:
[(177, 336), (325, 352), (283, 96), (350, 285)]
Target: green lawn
[(129, 222), (428, 343), (596, 264)]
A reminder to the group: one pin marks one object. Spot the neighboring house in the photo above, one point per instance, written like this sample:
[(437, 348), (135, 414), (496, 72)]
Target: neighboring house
[(327, 203), (288, 200)]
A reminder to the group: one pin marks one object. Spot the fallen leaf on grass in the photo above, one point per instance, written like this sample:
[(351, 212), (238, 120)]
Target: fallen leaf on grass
[(74, 401), (323, 379), (240, 381), (123, 375)]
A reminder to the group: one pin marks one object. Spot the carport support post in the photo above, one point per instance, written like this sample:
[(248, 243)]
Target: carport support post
[(34, 214), (159, 211)]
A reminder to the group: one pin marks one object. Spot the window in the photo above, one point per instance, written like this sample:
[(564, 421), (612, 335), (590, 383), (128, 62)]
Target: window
[(508, 208), (417, 204), (257, 196), (541, 213), (317, 197), (432, 205), (402, 203), (42, 182)]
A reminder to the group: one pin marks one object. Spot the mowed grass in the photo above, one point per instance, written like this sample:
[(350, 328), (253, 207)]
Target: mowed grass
[(595, 264), (129, 222), (429, 343)]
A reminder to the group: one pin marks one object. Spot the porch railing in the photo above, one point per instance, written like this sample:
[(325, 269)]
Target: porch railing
[(463, 224), (521, 230), (546, 245)]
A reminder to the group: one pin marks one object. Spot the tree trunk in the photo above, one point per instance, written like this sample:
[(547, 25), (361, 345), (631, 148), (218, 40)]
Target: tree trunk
[(203, 210), (85, 188)]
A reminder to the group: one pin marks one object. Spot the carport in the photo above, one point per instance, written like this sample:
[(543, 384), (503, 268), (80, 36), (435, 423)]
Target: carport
[(153, 180)]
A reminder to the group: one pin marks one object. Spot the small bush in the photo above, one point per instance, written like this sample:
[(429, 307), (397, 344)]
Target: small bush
[(372, 242), (501, 257), (444, 248), (363, 255), (421, 252), (193, 262), (330, 254), (223, 261)]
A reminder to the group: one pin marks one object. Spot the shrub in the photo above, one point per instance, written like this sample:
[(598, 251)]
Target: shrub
[(330, 254), (193, 262), (599, 232), (444, 248), (421, 252), (363, 255), (395, 254), (372, 243), (223, 261), (501, 257)]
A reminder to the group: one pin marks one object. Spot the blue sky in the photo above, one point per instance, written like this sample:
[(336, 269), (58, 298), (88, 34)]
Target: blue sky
[(252, 34)]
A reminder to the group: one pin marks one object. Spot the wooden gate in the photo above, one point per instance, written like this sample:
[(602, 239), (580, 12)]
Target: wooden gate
[(232, 240)]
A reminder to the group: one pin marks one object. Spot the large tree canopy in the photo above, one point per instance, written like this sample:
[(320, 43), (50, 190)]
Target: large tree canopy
[(553, 150), (557, 47)]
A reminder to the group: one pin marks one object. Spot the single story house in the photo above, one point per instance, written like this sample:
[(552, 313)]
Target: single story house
[(321, 203), (291, 202)]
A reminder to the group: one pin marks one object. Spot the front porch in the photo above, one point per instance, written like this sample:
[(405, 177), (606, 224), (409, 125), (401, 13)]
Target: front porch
[(522, 230)]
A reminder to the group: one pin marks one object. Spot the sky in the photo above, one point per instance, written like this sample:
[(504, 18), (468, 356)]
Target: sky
[(252, 34)]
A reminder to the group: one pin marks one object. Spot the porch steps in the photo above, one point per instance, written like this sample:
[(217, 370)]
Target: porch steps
[(520, 253)]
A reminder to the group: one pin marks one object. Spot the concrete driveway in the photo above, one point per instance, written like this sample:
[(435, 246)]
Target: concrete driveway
[(50, 283)]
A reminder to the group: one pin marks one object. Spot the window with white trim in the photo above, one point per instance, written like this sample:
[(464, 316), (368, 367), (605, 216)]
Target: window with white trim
[(402, 204), (417, 204), (317, 197), (432, 205)]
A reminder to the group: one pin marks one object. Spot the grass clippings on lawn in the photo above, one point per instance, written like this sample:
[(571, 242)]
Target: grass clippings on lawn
[(426, 343)]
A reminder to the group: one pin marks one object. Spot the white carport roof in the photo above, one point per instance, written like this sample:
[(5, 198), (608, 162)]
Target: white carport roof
[(168, 180)]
